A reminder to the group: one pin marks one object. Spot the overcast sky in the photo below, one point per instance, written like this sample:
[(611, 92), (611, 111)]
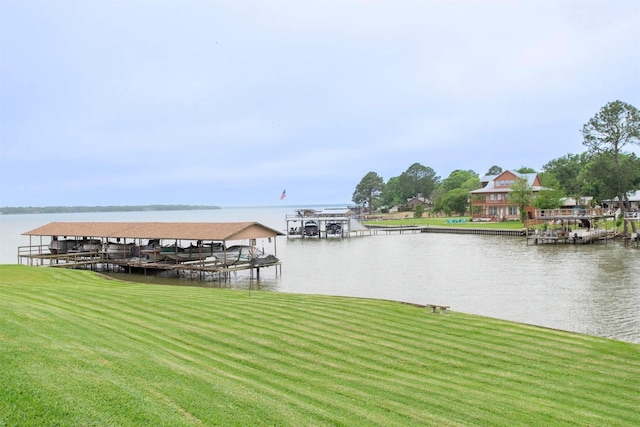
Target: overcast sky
[(228, 103)]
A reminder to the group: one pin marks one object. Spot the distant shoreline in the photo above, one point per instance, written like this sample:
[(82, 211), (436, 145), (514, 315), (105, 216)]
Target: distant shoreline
[(84, 209)]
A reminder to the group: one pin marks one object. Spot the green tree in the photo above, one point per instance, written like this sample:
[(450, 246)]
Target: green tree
[(368, 191), (566, 170), (456, 200), (458, 178), (418, 179), (551, 196), (494, 170), (521, 195), (392, 193), (473, 183), (600, 173), (525, 169), (418, 212), (616, 125)]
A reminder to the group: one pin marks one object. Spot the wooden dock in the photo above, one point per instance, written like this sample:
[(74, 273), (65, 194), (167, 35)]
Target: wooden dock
[(564, 237), (99, 261), (68, 240)]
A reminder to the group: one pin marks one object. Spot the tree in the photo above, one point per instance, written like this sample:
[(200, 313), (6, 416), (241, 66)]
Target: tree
[(418, 212), (452, 194), (566, 170), (368, 191), (455, 200), (551, 195), (392, 193), (418, 179), (494, 170), (525, 169), (458, 178), (600, 173), (607, 133), (521, 195), (473, 183)]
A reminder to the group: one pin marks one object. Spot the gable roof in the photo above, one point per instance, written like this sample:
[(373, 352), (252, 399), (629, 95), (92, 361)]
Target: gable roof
[(219, 231), (531, 178)]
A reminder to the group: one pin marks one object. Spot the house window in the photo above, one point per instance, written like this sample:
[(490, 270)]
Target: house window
[(513, 210), (499, 196), (492, 197), (493, 210)]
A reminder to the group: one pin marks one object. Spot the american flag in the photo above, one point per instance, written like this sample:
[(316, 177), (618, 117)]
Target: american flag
[(283, 195)]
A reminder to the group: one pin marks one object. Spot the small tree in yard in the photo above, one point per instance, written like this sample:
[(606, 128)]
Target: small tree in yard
[(455, 200), (521, 195), (418, 212)]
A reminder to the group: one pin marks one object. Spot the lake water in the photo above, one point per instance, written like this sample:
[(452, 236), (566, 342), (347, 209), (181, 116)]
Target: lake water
[(590, 289)]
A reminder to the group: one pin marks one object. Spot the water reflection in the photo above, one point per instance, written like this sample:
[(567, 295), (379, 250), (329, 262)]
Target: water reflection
[(240, 281)]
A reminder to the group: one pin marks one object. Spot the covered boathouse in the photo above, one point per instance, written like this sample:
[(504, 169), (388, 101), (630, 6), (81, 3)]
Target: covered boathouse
[(152, 247)]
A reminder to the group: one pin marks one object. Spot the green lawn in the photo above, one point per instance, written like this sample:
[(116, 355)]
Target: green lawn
[(78, 349), (442, 222)]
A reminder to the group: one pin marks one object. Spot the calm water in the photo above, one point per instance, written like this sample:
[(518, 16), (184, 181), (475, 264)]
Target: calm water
[(591, 289)]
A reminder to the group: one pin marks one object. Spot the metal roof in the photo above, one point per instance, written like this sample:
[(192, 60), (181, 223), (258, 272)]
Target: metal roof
[(491, 183), (218, 231), (633, 196)]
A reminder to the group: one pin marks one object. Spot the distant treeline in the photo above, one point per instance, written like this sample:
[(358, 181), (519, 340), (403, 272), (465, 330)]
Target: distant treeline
[(81, 209)]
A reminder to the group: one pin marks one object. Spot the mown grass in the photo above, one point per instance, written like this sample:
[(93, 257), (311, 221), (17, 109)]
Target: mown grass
[(442, 222), (78, 349)]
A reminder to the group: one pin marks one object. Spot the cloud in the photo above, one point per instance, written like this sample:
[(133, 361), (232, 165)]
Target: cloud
[(182, 100)]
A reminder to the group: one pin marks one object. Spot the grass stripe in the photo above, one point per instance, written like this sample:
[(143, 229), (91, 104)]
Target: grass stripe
[(79, 349)]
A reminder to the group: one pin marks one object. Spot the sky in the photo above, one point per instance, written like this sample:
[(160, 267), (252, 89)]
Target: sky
[(228, 103)]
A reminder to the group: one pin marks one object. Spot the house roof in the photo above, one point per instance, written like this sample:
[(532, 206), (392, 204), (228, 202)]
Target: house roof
[(491, 181), (220, 231), (633, 196), (571, 201), (334, 212)]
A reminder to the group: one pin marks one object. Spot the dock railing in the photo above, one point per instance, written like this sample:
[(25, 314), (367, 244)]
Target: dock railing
[(572, 213), (630, 216), (41, 255)]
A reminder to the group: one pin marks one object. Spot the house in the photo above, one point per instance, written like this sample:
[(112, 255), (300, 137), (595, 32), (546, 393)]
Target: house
[(571, 202), (413, 202), (491, 201), (634, 201)]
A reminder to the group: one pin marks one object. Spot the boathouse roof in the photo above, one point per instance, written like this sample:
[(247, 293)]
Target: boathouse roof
[(219, 231)]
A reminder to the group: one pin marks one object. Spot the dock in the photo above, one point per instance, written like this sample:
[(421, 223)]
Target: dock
[(151, 248), (570, 226), (324, 224)]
